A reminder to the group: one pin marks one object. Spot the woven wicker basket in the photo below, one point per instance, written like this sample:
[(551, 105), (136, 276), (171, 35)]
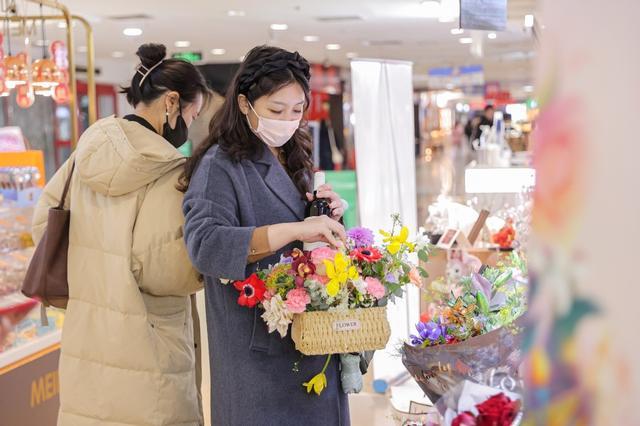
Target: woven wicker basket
[(356, 330)]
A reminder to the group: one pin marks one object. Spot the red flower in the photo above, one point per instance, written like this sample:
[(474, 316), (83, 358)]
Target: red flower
[(464, 419), (366, 254), (251, 291), (425, 317), (499, 410)]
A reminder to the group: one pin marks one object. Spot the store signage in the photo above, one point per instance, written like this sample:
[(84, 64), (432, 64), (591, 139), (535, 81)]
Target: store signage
[(488, 15), (34, 395), (449, 77), (188, 56), (11, 140)]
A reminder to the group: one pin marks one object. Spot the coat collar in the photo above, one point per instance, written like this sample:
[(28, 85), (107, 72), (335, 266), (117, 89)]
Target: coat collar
[(280, 183)]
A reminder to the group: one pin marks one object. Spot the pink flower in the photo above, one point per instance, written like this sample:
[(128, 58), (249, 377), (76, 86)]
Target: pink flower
[(415, 278), (319, 255), (320, 278), (297, 300), (375, 287)]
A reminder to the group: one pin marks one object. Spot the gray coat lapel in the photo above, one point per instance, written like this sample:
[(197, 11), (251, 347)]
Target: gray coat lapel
[(281, 184)]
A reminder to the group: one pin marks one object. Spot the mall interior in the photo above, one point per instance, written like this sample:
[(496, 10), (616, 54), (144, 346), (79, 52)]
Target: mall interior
[(498, 134)]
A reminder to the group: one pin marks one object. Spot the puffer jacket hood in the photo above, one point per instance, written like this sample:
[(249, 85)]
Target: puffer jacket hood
[(116, 157)]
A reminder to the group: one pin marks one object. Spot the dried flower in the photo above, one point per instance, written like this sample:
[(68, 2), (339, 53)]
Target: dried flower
[(276, 315)]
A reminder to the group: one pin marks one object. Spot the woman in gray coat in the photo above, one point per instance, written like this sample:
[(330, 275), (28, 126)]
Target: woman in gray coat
[(247, 187)]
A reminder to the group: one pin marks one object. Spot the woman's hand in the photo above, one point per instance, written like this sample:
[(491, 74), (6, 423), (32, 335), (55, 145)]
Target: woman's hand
[(321, 229), (336, 205)]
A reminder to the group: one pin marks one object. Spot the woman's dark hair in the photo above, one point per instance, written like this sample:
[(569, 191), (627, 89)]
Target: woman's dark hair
[(265, 70), (159, 75)]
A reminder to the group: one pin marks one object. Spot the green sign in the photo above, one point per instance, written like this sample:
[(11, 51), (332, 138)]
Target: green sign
[(345, 184), (186, 149), (188, 56)]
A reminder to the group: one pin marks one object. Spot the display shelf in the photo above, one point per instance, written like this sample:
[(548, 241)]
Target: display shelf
[(16, 303), (18, 353)]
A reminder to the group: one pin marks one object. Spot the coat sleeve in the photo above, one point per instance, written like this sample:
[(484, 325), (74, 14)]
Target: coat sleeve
[(50, 198), (217, 245)]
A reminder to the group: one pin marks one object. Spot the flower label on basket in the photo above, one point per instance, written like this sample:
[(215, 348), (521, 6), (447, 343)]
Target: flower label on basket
[(347, 325)]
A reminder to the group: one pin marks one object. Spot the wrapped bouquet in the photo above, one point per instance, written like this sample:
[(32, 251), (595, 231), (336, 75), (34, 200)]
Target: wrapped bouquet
[(475, 335), (335, 300)]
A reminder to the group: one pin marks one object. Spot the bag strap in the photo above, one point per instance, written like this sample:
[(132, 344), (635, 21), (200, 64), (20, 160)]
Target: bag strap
[(67, 184)]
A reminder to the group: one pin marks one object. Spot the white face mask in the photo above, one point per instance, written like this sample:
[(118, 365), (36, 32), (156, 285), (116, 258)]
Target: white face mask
[(274, 133)]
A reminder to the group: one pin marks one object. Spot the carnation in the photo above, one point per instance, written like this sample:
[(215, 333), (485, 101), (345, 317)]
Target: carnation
[(375, 287), (297, 300)]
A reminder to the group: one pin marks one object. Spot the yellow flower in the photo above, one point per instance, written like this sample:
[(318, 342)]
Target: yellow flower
[(395, 242), (339, 272), (319, 381), (317, 384)]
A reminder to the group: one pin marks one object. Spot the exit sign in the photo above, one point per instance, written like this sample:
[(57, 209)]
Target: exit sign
[(188, 56)]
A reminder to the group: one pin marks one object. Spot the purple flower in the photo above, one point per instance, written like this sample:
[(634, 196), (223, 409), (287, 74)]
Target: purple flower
[(429, 331), (391, 278), (361, 237), (286, 260), (482, 284)]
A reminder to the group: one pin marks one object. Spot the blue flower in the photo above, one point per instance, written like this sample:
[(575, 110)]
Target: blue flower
[(430, 331)]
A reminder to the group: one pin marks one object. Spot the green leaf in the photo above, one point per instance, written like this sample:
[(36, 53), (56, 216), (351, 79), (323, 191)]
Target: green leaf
[(503, 278), (483, 304), (423, 256), (423, 273)]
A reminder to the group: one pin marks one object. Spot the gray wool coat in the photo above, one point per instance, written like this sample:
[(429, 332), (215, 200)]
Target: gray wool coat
[(252, 381)]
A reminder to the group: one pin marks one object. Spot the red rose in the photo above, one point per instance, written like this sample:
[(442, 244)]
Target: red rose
[(464, 419), (251, 291), (499, 410), (366, 254)]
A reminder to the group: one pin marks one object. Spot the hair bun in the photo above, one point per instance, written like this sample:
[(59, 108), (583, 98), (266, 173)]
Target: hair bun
[(150, 54)]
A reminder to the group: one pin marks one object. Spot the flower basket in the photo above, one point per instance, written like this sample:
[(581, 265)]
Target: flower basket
[(354, 330)]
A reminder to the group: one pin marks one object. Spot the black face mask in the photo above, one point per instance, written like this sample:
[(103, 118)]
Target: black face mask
[(177, 136)]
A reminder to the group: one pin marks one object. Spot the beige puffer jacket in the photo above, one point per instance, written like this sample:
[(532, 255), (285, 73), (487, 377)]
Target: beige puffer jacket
[(128, 353)]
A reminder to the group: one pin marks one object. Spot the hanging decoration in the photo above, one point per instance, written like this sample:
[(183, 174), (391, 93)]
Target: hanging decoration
[(59, 53), (44, 72), (4, 90)]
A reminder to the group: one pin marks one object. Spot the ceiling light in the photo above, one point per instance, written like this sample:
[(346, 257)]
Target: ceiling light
[(279, 27), (528, 21), (62, 25), (333, 46), (311, 38), (352, 55), (528, 89), (492, 36), (430, 9), (118, 54), (218, 51), (457, 31), (466, 40), (132, 32), (236, 13), (182, 43)]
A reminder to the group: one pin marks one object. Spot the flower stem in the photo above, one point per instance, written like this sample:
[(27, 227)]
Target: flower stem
[(326, 364)]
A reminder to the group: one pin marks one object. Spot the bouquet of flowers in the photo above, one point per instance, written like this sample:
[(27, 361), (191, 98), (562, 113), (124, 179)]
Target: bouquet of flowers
[(473, 333), (335, 299), (471, 404)]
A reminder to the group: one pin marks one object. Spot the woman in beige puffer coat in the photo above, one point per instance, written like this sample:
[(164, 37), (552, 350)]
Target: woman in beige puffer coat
[(128, 355)]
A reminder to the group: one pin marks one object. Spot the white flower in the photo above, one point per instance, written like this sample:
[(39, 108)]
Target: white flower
[(276, 315), (361, 286)]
